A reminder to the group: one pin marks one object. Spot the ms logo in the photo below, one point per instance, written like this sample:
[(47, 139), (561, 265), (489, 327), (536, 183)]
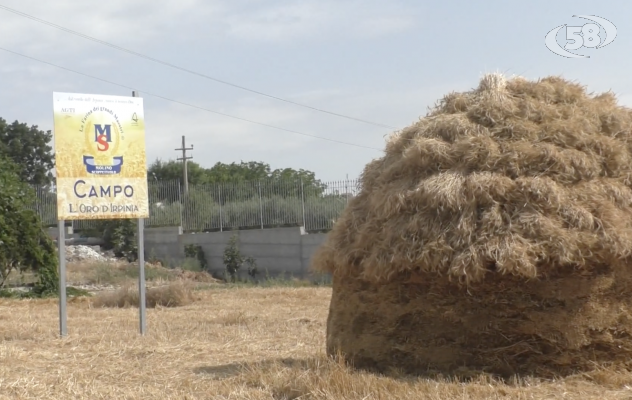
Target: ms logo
[(102, 140), (103, 136)]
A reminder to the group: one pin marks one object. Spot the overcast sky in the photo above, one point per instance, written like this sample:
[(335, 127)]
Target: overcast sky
[(384, 61)]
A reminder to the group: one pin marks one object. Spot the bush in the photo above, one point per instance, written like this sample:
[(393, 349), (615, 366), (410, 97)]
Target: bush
[(119, 236), (233, 260), (24, 245), (175, 294), (193, 251)]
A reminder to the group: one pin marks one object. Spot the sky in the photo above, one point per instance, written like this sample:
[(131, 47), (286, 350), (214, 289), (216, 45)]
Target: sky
[(385, 62)]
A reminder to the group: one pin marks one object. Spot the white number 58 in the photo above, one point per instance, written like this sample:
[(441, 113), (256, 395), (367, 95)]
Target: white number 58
[(586, 36)]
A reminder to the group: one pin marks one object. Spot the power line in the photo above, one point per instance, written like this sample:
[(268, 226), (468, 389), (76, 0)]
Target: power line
[(188, 104), (146, 57)]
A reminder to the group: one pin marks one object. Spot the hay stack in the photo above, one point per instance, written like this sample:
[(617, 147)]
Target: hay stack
[(494, 234)]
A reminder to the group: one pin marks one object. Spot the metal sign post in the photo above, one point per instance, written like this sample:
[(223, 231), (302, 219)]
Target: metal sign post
[(141, 277), (142, 313), (61, 248)]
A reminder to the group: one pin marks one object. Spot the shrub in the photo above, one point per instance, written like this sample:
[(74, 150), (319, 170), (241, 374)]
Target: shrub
[(119, 236), (193, 251), (233, 260), (23, 243)]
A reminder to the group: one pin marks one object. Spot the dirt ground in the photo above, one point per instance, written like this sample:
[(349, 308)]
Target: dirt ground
[(230, 343)]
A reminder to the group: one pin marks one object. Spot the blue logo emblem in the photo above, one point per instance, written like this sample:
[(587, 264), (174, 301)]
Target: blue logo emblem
[(103, 143)]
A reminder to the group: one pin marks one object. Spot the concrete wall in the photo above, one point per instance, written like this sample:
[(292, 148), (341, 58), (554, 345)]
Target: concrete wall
[(286, 251), (277, 251), (162, 243)]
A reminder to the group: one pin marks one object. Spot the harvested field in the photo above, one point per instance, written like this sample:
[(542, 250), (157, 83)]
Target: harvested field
[(251, 343)]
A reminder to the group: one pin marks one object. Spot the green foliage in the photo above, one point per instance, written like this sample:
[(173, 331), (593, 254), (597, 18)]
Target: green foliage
[(77, 292), (106, 274), (23, 243), (9, 294), (46, 204), (28, 147), (279, 281), (171, 170), (18, 294), (242, 172), (201, 213), (281, 182), (233, 260), (232, 257), (195, 252), (119, 235), (47, 275)]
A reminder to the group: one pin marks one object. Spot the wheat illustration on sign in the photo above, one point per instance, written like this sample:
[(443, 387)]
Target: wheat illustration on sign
[(593, 35)]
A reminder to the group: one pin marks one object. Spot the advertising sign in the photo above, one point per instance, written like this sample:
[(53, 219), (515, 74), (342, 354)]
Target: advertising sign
[(100, 157)]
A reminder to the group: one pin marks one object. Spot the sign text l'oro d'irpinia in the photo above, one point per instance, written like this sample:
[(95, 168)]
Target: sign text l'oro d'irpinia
[(83, 190)]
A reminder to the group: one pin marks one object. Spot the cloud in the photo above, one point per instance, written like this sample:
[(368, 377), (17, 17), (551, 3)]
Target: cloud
[(137, 24), (118, 21), (288, 21)]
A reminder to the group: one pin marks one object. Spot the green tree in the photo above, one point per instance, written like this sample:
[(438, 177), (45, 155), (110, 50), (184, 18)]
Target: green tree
[(226, 183), (311, 186), (284, 182), (29, 148), (166, 180), (232, 258), (172, 171), (24, 245), (242, 172), (119, 236)]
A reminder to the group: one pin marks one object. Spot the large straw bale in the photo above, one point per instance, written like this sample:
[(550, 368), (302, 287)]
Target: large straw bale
[(498, 203)]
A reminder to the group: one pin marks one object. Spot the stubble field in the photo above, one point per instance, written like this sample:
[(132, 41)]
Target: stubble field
[(228, 343)]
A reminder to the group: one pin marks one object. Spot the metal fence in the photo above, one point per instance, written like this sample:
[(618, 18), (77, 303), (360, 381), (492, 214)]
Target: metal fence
[(230, 206)]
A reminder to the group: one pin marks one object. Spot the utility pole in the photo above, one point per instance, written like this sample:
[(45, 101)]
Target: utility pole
[(184, 164)]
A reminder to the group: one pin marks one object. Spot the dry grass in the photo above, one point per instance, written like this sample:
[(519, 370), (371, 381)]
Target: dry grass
[(173, 294), (109, 275), (105, 274), (113, 273), (230, 344)]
